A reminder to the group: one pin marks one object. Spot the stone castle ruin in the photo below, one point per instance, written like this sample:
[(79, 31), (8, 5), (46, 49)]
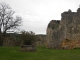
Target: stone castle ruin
[(64, 33)]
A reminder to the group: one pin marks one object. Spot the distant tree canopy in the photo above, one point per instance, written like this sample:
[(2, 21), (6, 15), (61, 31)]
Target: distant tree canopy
[(29, 38), (7, 19)]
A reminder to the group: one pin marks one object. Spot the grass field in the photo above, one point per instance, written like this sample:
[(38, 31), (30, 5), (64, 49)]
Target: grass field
[(14, 53)]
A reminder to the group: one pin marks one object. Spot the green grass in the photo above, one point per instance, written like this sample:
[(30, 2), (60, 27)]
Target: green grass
[(14, 53)]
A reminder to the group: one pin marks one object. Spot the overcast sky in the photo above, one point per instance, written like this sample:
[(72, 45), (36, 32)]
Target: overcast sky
[(37, 14)]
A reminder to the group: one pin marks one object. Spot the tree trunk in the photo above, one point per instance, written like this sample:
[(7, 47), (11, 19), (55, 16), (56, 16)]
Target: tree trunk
[(2, 37), (1, 42)]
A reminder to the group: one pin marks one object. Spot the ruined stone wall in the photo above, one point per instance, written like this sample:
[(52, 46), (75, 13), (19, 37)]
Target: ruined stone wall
[(67, 28), (52, 33)]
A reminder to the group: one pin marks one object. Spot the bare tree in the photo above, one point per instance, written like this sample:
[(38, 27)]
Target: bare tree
[(7, 21)]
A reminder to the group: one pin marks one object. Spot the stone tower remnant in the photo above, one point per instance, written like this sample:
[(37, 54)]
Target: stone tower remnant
[(68, 28)]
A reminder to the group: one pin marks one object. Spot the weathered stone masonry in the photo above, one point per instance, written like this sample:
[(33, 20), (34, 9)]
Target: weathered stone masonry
[(66, 28)]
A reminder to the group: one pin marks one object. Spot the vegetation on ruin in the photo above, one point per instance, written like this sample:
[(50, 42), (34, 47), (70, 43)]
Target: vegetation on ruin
[(55, 26)]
